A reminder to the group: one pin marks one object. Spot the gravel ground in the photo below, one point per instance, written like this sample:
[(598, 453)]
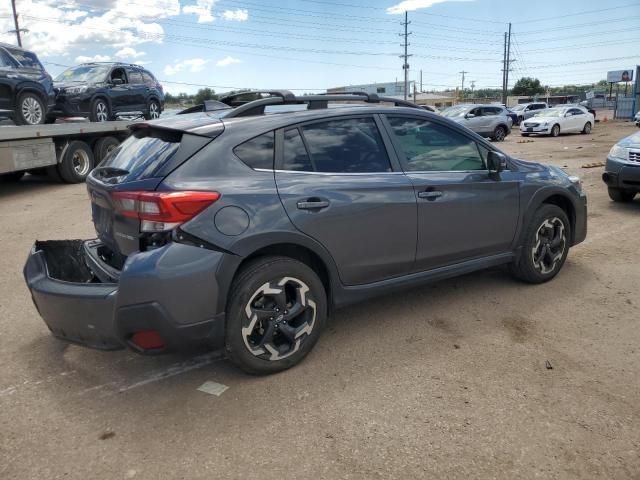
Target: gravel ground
[(445, 381)]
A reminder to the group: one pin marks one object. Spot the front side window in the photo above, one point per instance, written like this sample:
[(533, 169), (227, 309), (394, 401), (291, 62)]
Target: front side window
[(338, 146), (257, 152), (431, 147)]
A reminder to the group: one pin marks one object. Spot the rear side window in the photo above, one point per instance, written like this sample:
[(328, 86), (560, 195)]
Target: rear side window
[(144, 153), (257, 152), (5, 60), (351, 145), (26, 59), (148, 79)]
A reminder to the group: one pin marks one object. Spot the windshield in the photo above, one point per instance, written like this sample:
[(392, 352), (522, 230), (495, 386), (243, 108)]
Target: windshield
[(84, 73), (26, 59), (550, 112), (454, 111)]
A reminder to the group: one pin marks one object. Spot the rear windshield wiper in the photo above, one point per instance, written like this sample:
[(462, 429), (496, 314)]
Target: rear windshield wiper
[(106, 172)]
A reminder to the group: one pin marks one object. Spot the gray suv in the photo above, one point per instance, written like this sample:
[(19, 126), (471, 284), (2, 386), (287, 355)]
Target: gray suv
[(243, 229), (487, 120), (525, 111)]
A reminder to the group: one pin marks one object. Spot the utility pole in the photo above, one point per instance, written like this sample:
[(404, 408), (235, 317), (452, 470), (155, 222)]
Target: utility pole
[(462, 90), (508, 66), (504, 71), (473, 85), (405, 65), (15, 21), (421, 81)]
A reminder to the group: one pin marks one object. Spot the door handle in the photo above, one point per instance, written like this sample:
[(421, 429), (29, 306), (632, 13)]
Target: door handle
[(430, 195), (312, 204)]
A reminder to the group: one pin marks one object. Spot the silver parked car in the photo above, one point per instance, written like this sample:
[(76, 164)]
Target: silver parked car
[(527, 110), (487, 120)]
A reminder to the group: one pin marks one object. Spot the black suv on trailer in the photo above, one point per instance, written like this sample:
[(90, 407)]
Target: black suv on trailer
[(26, 89), (103, 91), (242, 229)]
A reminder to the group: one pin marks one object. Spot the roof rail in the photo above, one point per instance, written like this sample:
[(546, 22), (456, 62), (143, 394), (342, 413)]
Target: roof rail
[(319, 101), (230, 99)]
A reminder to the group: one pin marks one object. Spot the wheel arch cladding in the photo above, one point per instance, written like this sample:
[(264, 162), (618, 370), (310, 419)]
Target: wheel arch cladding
[(297, 252), (552, 196), (565, 204), (30, 89)]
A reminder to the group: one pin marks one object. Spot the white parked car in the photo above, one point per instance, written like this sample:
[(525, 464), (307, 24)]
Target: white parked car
[(554, 121)]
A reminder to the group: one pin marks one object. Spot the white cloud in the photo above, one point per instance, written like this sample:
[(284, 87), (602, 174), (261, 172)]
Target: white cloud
[(203, 9), (95, 58), (192, 65), (81, 26), (239, 15), (226, 61), (128, 52), (409, 5)]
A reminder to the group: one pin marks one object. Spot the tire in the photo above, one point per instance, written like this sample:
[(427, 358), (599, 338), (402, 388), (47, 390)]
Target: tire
[(499, 134), (542, 257), (99, 111), (619, 195), (30, 109), (256, 342), (587, 128), (12, 177), (103, 147), (77, 162), (555, 130), (153, 110)]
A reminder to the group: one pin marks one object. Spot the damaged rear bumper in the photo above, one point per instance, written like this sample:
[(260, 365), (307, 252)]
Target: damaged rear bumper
[(170, 291)]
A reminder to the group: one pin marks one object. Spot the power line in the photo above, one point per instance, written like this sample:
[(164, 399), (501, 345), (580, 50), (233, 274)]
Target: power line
[(584, 12), (579, 25)]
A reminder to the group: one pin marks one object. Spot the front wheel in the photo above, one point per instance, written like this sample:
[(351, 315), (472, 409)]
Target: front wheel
[(276, 313), (587, 128), (555, 131), (499, 133), (99, 111), (545, 246), (153, 111), (618, 195)]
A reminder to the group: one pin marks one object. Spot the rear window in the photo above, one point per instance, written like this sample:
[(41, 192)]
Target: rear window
[(144, 153), (257, 152)]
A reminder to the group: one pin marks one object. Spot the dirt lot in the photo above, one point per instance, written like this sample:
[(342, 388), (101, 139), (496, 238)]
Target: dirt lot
[(446, 381)]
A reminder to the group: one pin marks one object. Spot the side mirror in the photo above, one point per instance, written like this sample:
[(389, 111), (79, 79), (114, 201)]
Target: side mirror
[(469, 115), (116, 81), (496, 161)]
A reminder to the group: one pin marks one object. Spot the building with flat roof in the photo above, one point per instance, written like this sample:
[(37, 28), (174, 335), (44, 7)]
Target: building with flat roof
[(389, 89)]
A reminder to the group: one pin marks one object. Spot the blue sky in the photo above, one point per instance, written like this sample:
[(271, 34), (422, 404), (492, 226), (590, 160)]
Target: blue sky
[(315, 44)]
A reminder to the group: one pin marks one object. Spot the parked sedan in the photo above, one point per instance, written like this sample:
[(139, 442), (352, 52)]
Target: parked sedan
[(489, 121), (555, 121)]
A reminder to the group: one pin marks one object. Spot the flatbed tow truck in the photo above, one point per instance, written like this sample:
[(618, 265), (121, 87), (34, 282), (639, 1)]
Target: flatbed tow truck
[(64, 151)]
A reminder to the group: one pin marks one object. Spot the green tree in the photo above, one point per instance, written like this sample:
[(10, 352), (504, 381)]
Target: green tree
[(527, 86), (204, 94)]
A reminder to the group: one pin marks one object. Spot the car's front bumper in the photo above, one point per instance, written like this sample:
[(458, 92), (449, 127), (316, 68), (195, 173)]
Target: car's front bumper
[(622, 174), (171, 290), (539, 129)]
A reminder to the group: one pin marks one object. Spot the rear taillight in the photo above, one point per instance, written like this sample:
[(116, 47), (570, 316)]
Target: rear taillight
[(162, 211)]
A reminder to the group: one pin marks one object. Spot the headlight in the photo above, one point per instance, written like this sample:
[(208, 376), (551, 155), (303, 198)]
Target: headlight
[(619, 152), (577, 182), (76, 90)]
